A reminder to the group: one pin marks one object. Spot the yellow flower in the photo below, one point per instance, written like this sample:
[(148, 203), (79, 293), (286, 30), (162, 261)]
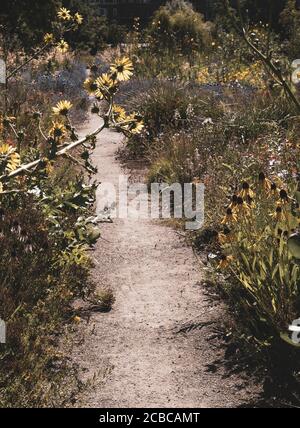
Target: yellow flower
[(64, 14), (90, 86), (135, 124), (242, 207), (122, 68), (14, 162), (48, 38), (246, 191), (278, 215), (274, 190), (104, 85), (119, 113), (78, 18), (58, 130), (10, 157), (264, 182), (230, 217), (226, 237), (77, 319), (63, 46), (284, 198), (233, 201), (4, 149), (225, 261), (62, 108)]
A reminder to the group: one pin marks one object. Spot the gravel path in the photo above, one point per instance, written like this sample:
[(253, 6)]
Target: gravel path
[(156, 280)]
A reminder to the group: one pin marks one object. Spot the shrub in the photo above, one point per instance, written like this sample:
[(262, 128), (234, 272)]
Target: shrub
[(178, 27)]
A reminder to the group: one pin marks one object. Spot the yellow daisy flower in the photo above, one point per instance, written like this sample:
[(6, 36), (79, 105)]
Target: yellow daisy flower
[(122, 69), (4, 149), (104, 85), (78, 18), (10, 157), (242, 207), (225, 237), (136, 124), (14, 161), (48, 38), (278, 215), (63, 46), (90, 86), (246, 191), (284, 198), (62, 108), (119, 114), (264, 182), (230, 217), (58, 130), (64, 14)]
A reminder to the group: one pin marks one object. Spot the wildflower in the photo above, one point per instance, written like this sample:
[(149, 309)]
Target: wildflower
[(64, 14), (283, 195), (278, 214), (242, 206), (119, 113), (226, 237), (225, 261), (122, 68), (104, 85), (48, 38), (264, 182), (78, 18), (62, 46), (10, 156), (58, 130), (273, 189), (230, 217), (13, 162), (233, 201), (77, 319), (4, 149), (90, 86), (62, 108), (136, 124), (246, 191)]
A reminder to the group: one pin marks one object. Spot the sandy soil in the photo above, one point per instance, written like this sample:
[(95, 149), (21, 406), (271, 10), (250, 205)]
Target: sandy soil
[(151, 359)]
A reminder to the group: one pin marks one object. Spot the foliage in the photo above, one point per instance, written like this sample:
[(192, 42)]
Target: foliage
[(177, 27), (290, 20), (257, 224), (18, 29), (46, 220)]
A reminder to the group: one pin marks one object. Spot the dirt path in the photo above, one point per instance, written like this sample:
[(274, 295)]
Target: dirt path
[(156, 280)]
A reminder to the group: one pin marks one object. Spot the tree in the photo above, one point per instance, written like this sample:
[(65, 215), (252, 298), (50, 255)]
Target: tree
[(176, 26), (290, 21), (95, 31), (24, 22)]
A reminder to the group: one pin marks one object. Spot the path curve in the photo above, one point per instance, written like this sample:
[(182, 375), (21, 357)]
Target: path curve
[(156, 280)]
